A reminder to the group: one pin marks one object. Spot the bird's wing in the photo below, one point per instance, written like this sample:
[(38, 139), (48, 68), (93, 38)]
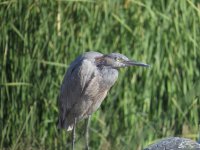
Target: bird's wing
[(75, 83)]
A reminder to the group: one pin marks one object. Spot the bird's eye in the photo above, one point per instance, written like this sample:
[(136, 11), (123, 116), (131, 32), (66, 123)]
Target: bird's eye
[(117, 59)]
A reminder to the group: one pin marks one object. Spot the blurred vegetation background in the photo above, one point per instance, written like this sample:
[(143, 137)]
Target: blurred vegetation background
[(38, 40)]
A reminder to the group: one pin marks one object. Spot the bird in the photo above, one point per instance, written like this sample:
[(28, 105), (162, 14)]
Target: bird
[(174, 143), (86, 84)]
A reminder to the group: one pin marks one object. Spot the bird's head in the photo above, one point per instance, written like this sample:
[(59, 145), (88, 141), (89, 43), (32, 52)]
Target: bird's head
[(116, 60)]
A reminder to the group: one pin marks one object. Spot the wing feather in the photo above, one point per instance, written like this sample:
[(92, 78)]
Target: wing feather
[(75, 84)]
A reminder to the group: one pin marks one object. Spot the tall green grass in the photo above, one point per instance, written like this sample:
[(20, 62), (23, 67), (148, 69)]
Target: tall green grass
[(38, 40)]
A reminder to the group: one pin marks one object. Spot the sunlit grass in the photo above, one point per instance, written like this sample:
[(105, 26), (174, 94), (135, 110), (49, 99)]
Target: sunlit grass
[(38, 40)]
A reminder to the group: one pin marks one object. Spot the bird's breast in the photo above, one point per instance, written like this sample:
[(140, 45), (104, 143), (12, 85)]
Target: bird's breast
[(98, 89)]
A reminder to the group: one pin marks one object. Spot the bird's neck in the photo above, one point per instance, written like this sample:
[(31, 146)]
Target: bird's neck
[(109, 75)]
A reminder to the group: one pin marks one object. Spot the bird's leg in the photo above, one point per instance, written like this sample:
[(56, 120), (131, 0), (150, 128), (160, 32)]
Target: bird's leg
[(73, 134), (87, 125)]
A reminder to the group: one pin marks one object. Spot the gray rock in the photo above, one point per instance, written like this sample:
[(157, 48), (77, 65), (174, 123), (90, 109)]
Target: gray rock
[(174, 143)]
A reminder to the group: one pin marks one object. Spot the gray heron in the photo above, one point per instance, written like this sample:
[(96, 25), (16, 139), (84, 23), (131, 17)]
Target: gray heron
[(85, 86)]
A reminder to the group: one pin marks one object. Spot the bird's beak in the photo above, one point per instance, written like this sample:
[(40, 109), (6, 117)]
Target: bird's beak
[(135, 63)]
